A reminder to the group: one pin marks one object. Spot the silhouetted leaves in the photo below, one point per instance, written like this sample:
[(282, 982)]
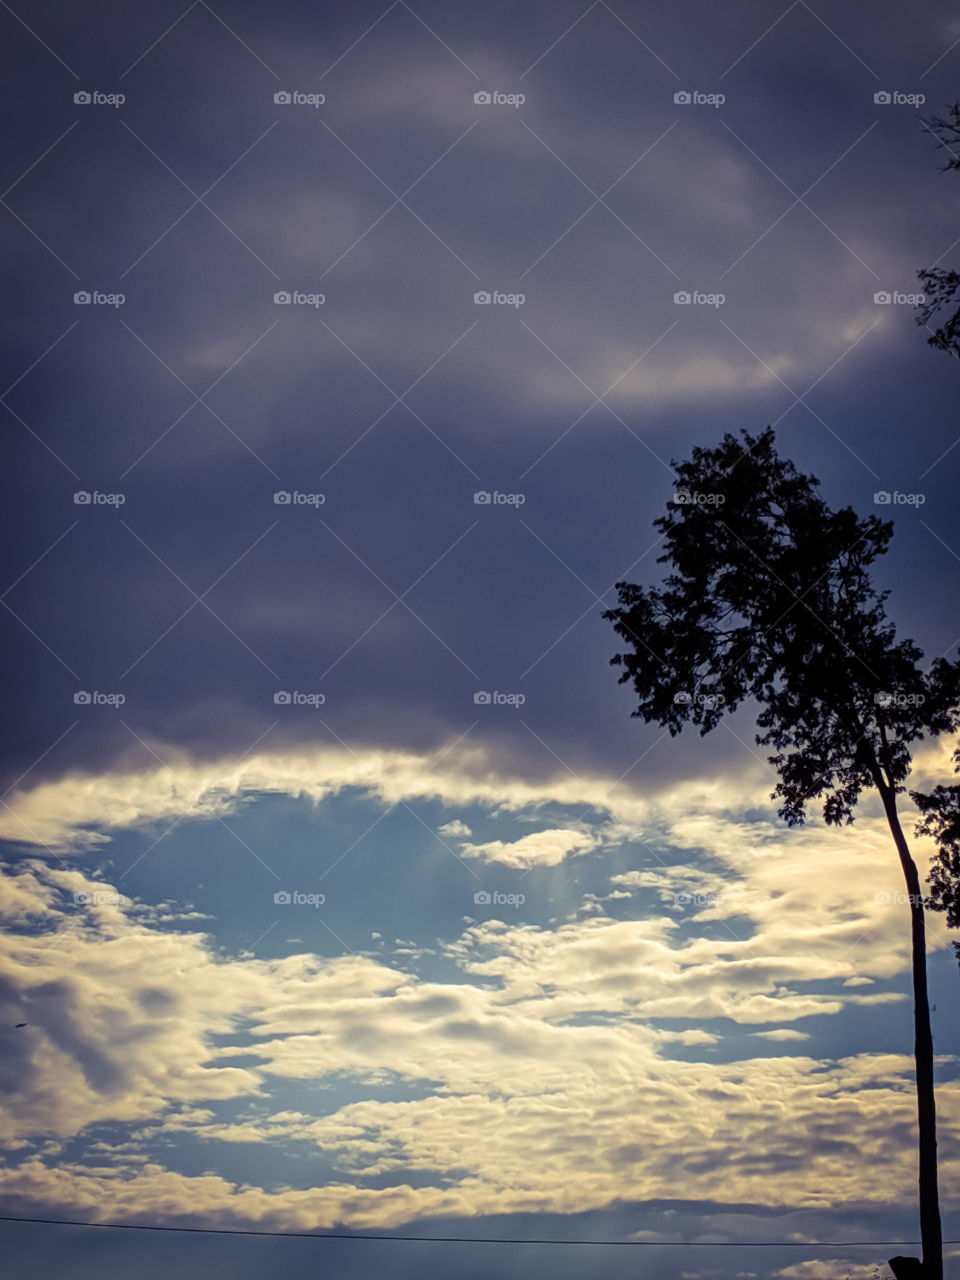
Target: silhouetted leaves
[(941, 820), (941, 286), (769, 598)]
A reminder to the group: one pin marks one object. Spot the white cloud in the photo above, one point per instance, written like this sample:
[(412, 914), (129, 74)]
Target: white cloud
[(456, 828), (539, 849), (826, 1269), (545, 1040), (78, 811), (782, 1033), (574, 1114)]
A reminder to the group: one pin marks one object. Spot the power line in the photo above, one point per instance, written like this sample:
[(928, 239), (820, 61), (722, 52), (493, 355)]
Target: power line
[(346, 1235)]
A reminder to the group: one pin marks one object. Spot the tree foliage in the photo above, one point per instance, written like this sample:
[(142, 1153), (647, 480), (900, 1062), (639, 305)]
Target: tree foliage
[(941, 820), (941, 286), (769, 598)]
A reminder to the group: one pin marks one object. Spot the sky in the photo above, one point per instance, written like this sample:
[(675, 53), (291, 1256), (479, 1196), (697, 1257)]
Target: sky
[(347, 349)]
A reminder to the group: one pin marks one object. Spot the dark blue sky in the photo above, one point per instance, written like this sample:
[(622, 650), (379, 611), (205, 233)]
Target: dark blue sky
[(329, 425)]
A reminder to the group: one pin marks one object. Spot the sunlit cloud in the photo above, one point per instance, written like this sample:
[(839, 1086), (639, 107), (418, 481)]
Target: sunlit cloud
[(548, 1041)]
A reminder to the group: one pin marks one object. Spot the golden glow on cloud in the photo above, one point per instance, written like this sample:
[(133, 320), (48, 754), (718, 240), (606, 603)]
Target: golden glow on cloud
[(546, 1084)]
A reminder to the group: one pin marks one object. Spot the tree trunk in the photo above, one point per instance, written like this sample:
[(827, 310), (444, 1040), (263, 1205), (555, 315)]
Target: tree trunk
[(906, 1268), (930, 1232)]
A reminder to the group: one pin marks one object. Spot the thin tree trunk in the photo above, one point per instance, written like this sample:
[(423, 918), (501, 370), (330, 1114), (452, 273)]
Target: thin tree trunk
[(930, 1231)]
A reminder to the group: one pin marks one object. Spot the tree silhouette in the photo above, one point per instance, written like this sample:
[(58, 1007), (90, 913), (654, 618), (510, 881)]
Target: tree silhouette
[(941, 807), (769, 598), (941, 286), (941, 810)]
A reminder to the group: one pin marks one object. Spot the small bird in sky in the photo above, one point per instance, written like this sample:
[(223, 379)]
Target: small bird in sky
[(21, 1024)]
